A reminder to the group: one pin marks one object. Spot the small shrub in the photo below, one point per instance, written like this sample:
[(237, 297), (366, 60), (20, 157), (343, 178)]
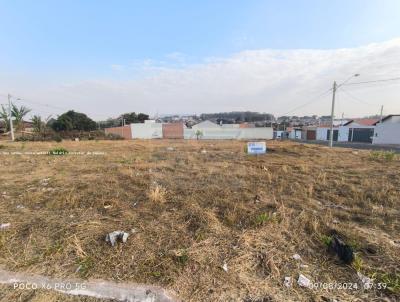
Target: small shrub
[(58, 151), (57, 138), (383, 155), (357, 263), (181, 256), (262, 218), (85, 263), (25, 139), (112, 136), (392, 281), (327, 240)]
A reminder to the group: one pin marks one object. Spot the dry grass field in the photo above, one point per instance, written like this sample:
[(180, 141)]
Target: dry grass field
[(198, 207)]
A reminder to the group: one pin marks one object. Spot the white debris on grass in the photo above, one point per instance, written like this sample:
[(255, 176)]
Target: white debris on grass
[(4, 226), (288, 281), (113, 237), (303, 281), (296, 257), (225, 267), (366, 282), (203, 151)]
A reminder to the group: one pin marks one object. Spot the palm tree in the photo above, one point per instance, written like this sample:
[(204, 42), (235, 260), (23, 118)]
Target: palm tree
[(38, 124), (19, 114), (5, 117)]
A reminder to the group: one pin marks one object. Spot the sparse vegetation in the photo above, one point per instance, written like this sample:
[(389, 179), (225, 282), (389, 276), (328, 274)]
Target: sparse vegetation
[(387, 156), (195, 211), (58, 151)]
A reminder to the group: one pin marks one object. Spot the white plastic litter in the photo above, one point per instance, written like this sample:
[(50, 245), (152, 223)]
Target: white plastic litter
[(225, 267), (4, 226), (115, 236), (296, 257), (288, 281), (303, 281), (367, 282)]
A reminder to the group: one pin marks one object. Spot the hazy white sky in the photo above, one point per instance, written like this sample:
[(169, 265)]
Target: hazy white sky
[(276, 81)]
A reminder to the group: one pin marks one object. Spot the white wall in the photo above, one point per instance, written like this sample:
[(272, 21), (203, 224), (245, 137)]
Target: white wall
[(229, 133), (256, 133), (387, 133), (322, 134), (295, 134), (147, 130), (343, 135)]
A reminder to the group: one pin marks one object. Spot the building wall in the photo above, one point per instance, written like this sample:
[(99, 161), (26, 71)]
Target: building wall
[(124, 131), (173, 130), (247, 125), (343, 133), (295, 134), (189, 133), (256, 133), (147, 130), (226, 133), (322, 134), (393, 119), (387, 133)]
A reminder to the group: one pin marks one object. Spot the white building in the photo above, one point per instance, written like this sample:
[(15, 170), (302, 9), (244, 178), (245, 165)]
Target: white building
[(148, 130), (388, 131), (210, 130)]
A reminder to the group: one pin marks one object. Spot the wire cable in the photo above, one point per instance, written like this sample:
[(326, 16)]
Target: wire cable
[(314, 99), (374, 81), (356, 98)]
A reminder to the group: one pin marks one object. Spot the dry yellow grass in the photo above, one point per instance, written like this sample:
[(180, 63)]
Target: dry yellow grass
[(193, 212)]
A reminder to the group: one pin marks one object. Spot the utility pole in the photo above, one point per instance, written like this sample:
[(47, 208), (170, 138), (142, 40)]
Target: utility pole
[(10, 117), (380, 120), (332, 114)]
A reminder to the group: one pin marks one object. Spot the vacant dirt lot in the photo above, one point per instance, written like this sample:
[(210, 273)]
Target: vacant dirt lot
[(207, 221)]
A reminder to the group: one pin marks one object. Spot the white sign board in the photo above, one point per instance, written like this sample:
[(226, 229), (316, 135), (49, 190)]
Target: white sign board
[(256, 148)]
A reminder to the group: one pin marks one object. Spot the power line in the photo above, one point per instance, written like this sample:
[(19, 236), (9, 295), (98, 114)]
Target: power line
[(374, 81), (316, 98), (356, 98)]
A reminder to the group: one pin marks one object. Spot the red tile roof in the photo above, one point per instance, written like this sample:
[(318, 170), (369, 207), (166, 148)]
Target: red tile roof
[(364, 121)]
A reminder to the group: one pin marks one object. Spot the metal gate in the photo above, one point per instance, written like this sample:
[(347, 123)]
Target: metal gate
[(311, 134), (362, 135), (335, 135)]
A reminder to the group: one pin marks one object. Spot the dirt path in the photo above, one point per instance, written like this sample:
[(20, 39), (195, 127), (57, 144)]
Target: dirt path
[(94, 288)]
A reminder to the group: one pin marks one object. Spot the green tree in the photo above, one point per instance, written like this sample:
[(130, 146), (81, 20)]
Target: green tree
[(5, 117), (132, 117), (199, 134), (19, 113), (72, 120), (142, 117)]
